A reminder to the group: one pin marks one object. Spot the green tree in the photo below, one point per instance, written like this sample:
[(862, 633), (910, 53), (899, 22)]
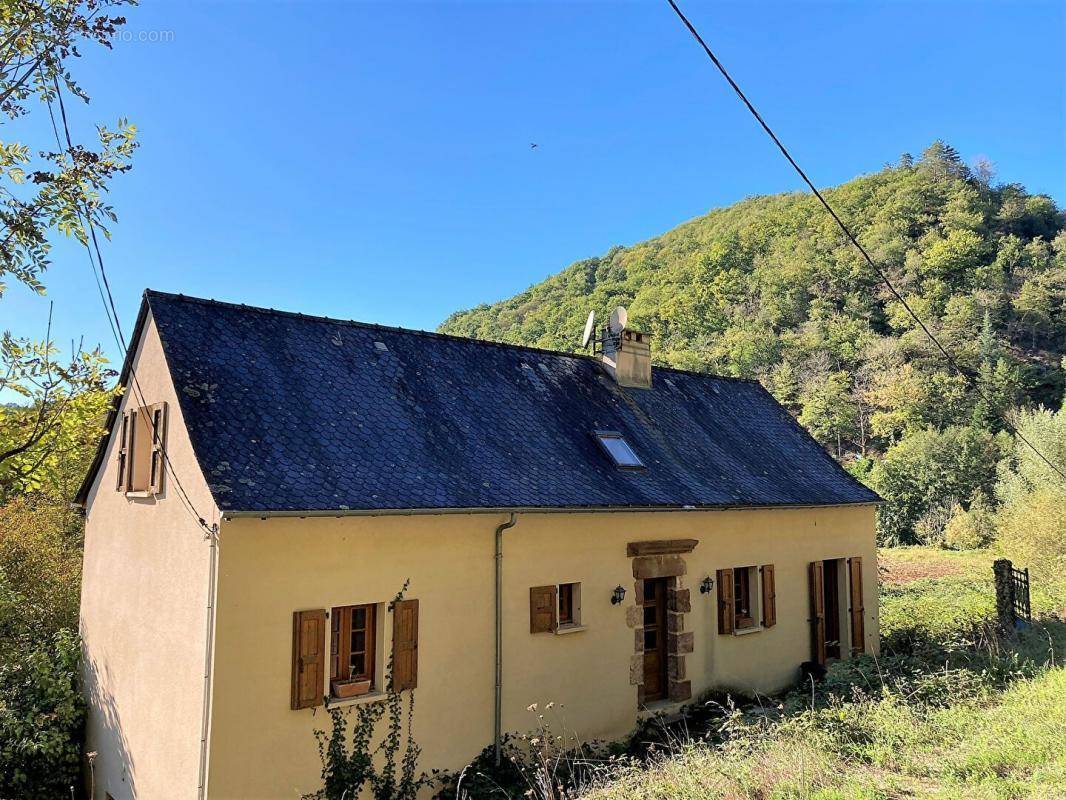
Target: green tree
[(930, 468)]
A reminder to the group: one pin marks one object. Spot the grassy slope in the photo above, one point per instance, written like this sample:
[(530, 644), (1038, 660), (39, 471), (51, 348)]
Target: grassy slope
[(991, 728)]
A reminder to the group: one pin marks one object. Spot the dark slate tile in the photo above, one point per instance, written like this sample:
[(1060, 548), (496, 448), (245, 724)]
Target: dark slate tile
[(320, 415)]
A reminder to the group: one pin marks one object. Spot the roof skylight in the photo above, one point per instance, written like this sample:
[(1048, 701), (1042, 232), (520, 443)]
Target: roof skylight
[(619, 450)]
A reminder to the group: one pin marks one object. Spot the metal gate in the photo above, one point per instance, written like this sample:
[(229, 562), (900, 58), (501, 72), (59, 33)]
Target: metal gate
[(1020, 584)]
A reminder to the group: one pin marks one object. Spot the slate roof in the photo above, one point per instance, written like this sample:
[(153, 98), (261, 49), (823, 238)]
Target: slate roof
[(294, 413)]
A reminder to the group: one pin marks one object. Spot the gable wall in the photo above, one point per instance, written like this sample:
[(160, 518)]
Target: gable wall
[(271, 568), (143, 613)]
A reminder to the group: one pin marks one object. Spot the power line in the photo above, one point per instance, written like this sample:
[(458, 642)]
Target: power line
[(851, 237), (112, 314)]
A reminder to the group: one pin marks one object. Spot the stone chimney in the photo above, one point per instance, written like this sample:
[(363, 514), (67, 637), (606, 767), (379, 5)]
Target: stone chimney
[(627, 357)]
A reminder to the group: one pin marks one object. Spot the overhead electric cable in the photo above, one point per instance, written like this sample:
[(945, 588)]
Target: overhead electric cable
[(851, 237), (112, 313)]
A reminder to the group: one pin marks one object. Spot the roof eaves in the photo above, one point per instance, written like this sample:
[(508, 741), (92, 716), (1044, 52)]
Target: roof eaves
[(385, 512)]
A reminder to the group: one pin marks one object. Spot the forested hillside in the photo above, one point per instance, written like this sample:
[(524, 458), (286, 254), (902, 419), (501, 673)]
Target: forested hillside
[(769, 288)]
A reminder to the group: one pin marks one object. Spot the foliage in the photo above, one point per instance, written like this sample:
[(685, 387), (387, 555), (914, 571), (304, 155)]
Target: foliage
[(768, 289), (46, 445), (1031, 524), (351, 762), (40, 554), (44, 187), (973, 528), (931, 468), (41, 711), (548, 763)]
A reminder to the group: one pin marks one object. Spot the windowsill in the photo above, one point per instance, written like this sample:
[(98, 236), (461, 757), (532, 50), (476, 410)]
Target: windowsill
[(746, 631), (369, 697), (140, 494), (565, 629)]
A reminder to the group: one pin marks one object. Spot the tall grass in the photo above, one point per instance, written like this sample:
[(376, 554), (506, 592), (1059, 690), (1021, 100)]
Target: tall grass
[(951, 709)]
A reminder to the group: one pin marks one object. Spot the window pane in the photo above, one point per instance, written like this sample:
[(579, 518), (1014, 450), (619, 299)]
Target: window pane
[(650, 640), (358, 641), (359, 618), (649, 615), (358, 664), (566, 603), (620, 451)]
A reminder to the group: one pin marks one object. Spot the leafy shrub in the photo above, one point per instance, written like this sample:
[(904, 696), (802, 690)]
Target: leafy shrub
[(40, 553), (973, 528), (547, 763), (41, 716)]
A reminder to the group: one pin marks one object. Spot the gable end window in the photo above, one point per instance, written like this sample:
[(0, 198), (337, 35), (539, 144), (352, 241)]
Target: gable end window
[(141, 462), (618, 450)]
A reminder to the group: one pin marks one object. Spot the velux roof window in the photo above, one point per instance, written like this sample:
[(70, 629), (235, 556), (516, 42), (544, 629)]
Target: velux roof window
[(618, 449)]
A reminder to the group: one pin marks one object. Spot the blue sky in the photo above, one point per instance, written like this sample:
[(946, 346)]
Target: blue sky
[(372, 160)]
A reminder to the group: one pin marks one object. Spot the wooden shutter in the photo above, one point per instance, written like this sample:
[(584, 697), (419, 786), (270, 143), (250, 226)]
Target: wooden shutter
[(404, 645), (158, 421), (726, 603), (542, 607), (123, 454), (769, 597), (308, 657), (858, 634), (817, 589)]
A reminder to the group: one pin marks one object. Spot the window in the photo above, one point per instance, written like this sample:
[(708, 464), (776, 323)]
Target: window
[(619, 450), (352, 653), (569, 604), (747, 599), (555, 609), (141, 445), (744, 597)]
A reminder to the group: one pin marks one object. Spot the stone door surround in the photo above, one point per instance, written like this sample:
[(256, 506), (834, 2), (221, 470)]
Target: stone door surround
[(662, 559)]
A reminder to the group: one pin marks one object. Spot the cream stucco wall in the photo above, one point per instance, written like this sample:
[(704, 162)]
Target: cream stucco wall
[(143, 614), (270, 568)]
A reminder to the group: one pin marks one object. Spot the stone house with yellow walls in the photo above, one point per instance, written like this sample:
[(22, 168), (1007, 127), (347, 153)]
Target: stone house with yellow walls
[(589, 531)]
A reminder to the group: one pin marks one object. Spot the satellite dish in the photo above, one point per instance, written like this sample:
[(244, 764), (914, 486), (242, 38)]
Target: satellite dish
[(588, 329), (619, 318)]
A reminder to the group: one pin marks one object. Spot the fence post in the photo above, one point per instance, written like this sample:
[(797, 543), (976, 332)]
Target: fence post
[(1001, 568)]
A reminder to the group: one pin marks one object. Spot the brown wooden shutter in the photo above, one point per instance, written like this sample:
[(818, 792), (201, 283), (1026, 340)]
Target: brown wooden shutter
[(123, 454), (858, 633), (769, 597), (542, 606), (817, 584), (726, 603), (158, 419), (404, 645), (308, 657)]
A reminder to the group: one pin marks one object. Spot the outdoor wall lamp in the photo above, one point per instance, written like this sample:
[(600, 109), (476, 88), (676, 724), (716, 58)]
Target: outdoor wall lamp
[(618, 595), (706, 585)]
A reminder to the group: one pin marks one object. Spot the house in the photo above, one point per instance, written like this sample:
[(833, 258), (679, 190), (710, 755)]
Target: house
[(592, 531)]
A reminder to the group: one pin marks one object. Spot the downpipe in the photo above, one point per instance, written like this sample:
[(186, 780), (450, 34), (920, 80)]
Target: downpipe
[(498, 717), (209, 641)]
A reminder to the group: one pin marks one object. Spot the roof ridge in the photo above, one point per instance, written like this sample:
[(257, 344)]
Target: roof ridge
[(149, 293)]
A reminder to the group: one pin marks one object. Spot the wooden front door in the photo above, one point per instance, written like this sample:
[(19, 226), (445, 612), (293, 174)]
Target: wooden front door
[(655, 639)]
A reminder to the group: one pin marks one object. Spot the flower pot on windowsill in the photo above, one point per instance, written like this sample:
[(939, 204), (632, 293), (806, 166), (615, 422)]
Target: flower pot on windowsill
[(345, 689)]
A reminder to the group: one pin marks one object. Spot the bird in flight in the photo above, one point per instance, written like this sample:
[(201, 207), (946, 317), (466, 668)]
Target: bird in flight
[(533, 145)]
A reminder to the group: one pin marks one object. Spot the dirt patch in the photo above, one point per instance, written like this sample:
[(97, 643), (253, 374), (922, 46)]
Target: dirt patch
[(899, 571)]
